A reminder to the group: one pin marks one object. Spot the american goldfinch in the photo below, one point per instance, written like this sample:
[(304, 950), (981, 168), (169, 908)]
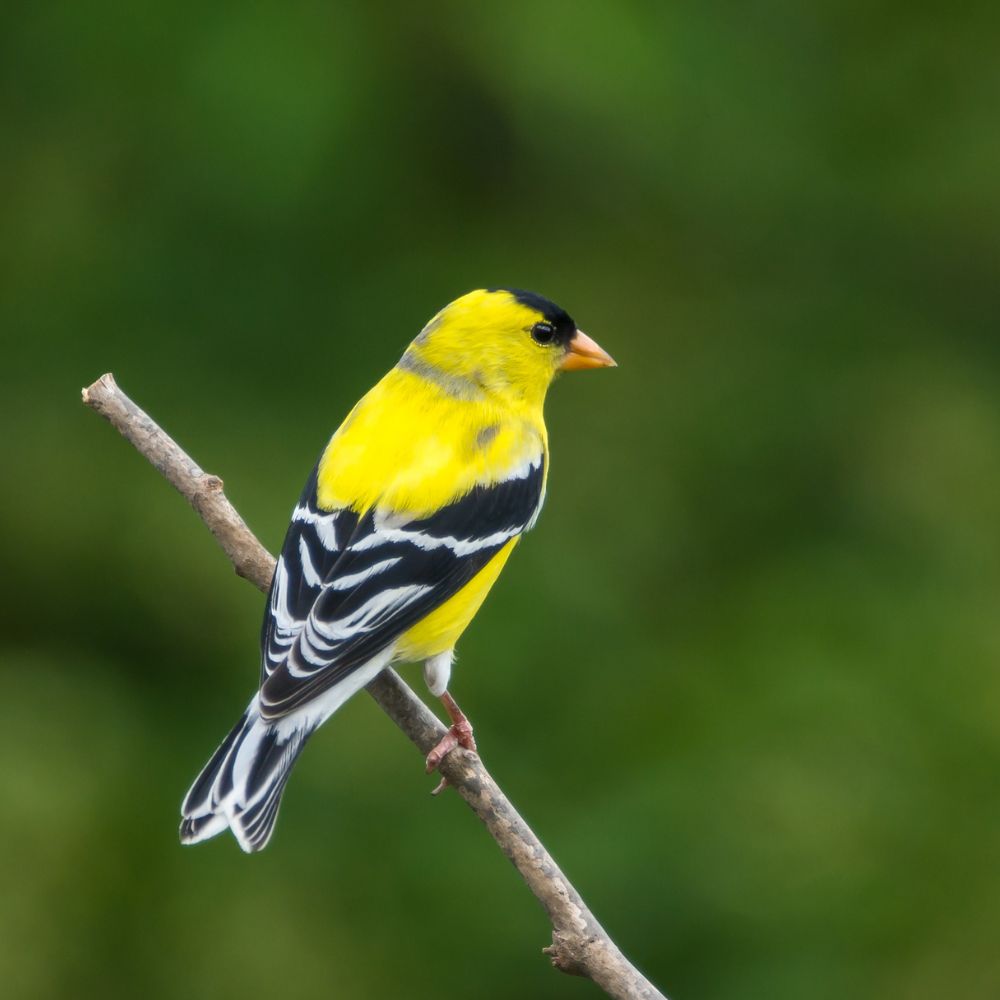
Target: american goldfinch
[(403, 526)]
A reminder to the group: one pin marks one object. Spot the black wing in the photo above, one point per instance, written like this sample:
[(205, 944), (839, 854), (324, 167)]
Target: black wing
[(347, 586), (314, 540)]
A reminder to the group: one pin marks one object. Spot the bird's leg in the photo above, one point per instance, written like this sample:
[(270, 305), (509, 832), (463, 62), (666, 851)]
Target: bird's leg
[(459, 735)]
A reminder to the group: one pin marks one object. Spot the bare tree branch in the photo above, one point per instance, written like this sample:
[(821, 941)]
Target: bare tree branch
[(580, 945)]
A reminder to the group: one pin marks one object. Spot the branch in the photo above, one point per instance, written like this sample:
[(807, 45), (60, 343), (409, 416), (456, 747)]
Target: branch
[(580, 946)]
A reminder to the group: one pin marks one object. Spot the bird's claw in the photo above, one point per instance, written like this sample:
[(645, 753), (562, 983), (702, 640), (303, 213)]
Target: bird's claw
[(459, 735)]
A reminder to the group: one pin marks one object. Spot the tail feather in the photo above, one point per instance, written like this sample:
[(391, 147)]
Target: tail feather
[(241, 785)]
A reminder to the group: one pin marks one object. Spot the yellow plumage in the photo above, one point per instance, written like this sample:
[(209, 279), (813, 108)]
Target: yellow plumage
[(410, 447)]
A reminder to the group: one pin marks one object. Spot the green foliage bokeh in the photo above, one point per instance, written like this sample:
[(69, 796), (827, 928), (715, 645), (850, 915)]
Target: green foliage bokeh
[(743, 677)]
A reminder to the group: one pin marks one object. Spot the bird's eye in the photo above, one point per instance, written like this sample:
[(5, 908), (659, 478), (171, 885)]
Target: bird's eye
[(543, 333)]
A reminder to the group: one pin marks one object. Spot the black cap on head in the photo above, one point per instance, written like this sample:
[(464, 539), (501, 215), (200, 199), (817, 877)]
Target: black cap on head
[(561, 320)]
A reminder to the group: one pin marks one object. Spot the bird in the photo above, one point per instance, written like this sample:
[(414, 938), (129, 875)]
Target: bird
[(415, 505)]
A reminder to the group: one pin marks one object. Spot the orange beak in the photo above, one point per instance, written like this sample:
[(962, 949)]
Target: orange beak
[(585, 353)]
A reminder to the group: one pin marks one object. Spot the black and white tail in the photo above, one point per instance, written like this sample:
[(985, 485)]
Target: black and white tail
[(241, 786)]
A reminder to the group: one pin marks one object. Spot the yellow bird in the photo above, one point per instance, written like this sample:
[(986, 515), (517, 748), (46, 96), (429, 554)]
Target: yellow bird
[(403, 526)]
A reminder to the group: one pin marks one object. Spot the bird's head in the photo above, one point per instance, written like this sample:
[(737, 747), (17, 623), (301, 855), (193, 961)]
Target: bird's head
[(502, 341)]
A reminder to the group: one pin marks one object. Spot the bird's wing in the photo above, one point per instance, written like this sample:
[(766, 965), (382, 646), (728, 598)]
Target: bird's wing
[(314, 541), (347, 586)]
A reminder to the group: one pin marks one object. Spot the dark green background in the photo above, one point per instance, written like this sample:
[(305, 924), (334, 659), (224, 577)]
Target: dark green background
[(742, 679)]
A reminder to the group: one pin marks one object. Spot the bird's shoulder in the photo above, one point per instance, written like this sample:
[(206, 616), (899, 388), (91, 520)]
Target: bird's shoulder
[(412, 448)]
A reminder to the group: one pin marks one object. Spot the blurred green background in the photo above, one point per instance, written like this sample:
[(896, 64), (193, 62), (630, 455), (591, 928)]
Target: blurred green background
[(742, 679)]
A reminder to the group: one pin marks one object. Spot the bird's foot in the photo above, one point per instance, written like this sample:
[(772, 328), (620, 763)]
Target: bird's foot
[(459, 735)]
